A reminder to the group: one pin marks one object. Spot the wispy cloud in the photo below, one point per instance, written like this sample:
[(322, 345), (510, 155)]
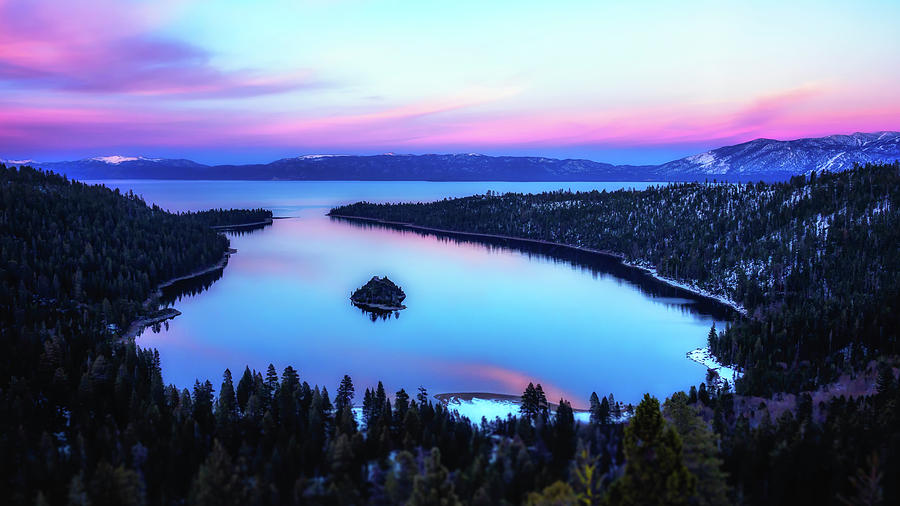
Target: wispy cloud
[(65, 46)]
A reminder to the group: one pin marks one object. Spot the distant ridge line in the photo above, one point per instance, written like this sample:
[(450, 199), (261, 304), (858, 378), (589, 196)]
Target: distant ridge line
[(759, 159)]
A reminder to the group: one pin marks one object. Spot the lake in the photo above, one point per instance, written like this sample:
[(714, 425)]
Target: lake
[(482, 316)]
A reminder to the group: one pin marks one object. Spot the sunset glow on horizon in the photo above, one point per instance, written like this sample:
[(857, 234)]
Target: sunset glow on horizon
[(234, 81)]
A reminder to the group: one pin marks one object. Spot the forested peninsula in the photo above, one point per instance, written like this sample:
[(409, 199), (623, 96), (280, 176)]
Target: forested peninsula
[(85, 417), (814, 261)]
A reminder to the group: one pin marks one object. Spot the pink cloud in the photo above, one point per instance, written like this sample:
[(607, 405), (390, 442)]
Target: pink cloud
[(450, 123), (107, 47)]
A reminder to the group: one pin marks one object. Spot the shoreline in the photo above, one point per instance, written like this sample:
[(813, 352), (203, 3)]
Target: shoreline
[(243, 225), (139, 324), (704, 357), (142, 322), (377, 307), (697, 291)]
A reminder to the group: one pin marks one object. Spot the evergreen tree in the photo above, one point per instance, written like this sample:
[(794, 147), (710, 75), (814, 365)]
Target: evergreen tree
[(227, 405), (587, 478), (700, 450), (654, 471), (558, 493), (543, 406), (564, 440), (529, 406), (712, 338), (595, 408), (399, 482), (885, 380), (116, 486), (217, 482), (271, 381), (244, 388), (401, 404), (433, 487), (605, 412), (422, 396), (344, 397)]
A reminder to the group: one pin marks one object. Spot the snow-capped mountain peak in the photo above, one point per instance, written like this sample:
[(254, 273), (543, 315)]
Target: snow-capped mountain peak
[(316, 157), (114, 159)]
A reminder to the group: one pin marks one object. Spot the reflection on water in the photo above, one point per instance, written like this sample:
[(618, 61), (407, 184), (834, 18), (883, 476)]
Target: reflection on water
[(196, 285), (483, 315), (375, 314), (595, 264)]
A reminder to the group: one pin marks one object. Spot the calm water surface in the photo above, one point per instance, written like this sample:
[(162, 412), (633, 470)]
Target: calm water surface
[(486, 317)]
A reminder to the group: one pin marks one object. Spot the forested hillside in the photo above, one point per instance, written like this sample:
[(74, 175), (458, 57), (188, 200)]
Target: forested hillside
[(85, 418), (814, 261)]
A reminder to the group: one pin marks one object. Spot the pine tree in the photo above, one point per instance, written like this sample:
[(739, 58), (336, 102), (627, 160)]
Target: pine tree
[(368, 407), (217, 482), (226, 401), (595, 408), (244, 388), (344, 397), (700, 449), (654, 471), (399, 483), (401, 404), (422, 396), (605, 412), (116, 486), (543, 405), (563, 434), (380, 398), (529, 405), (587, 478), (885, 380), (433, 487), (558, 493), (271, 381)]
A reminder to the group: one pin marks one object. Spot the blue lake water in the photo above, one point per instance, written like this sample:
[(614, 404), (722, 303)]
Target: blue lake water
[(481, 316)]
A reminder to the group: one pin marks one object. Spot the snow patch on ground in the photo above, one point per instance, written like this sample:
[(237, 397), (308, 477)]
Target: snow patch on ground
[(491, 409), (703, 159), (705, 358), (476, 408)]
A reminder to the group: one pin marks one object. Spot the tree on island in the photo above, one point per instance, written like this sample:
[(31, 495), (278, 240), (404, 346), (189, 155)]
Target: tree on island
[(379, 292)]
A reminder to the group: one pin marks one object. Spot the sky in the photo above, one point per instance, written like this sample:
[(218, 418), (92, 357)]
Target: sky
[(240, 81)]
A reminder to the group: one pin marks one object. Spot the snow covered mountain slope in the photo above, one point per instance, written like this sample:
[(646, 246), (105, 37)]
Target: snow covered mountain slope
[(767, 159)]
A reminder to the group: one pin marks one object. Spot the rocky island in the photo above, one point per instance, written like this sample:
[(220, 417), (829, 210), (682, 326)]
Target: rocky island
[(380, 294)]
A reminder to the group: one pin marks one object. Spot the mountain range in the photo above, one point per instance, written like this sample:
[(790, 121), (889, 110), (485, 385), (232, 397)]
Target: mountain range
[(756, 160)]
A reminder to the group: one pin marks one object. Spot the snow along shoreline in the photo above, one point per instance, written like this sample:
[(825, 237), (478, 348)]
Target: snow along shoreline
[(705, 358), (693, 288)]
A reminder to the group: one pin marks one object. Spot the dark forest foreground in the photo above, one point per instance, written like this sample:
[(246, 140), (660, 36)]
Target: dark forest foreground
[(86, 419)]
